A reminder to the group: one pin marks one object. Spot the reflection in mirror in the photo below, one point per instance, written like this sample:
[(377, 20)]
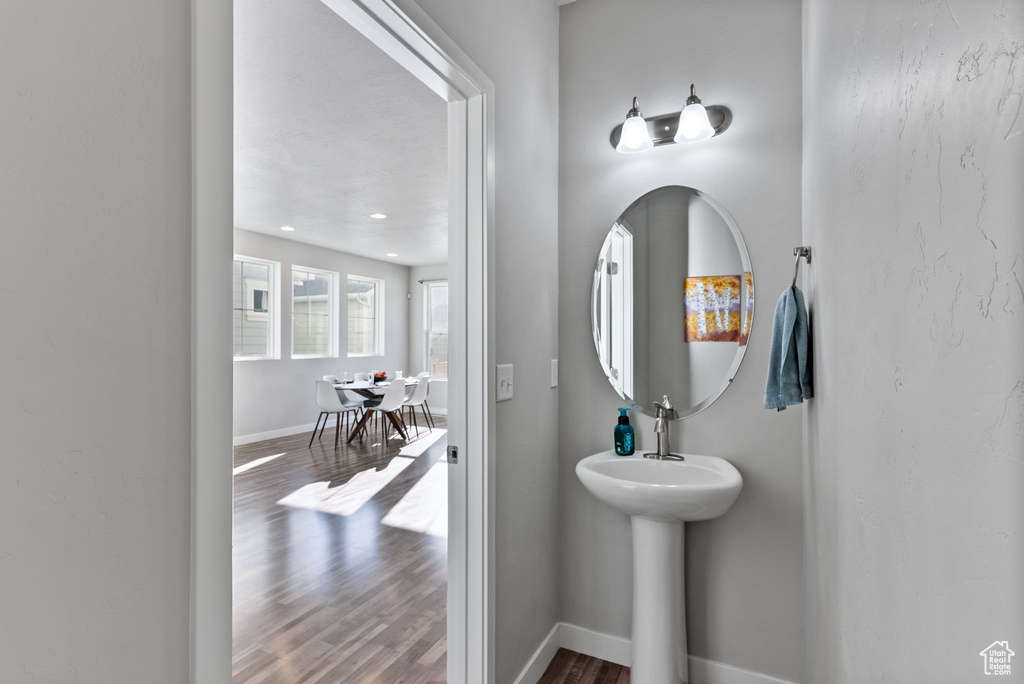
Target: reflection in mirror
[(672, 300), (613, 284)]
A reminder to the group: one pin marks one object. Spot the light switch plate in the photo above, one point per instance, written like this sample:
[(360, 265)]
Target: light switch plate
[(554, 372), (504, 382)]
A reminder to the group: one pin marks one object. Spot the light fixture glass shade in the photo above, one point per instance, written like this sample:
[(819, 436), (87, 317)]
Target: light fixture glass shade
[(634, 136), (694, 125)]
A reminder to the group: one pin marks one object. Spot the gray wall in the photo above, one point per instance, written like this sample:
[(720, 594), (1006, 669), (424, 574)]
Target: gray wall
[(914, 163), (277, 394), (744, 596), (95, 297), (516, 45)]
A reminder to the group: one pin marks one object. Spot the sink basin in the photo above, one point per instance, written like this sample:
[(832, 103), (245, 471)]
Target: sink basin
[(698, 488), (659, 496)]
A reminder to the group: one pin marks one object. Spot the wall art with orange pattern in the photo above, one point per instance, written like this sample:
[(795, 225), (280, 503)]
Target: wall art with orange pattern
[(713, 308)]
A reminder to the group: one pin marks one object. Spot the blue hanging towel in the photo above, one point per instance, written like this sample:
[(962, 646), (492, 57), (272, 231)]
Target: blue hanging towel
[(789, 369)]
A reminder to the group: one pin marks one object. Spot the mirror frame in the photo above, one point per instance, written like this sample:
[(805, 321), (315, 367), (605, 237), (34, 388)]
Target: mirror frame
[(748, 266)]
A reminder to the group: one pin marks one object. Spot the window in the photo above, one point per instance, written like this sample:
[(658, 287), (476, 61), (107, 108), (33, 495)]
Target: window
[(365, 316), (313, 297), (435, 298), (254, 308)]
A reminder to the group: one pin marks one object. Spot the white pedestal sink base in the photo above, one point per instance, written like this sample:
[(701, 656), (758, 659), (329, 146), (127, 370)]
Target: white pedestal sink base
[(659, 622), (659, 496)]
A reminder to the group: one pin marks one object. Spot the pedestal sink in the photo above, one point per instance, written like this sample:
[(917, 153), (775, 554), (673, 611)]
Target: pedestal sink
[(659, 496)]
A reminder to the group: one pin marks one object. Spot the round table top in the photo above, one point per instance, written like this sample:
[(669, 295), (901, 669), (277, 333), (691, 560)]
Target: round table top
[(363, 384)]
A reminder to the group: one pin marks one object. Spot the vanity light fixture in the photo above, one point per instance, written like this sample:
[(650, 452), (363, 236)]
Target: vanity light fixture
[(695, 123), (635, 136)]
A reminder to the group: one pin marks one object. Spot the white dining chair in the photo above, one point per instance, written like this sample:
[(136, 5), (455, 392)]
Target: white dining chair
[(417, 399), (362, 377), (389, 409), (328, 401), (356, 404), (425, 379)]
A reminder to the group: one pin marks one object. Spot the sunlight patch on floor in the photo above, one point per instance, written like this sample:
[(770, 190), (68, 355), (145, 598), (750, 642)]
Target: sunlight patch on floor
[(348, 498), (423, 442), (256, 462), (425, 507)]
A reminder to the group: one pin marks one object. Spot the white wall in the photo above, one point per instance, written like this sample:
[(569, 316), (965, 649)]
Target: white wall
[(913, 168), (95, 294), (438, 398), (744, 595), (516, 45), (278, 394)]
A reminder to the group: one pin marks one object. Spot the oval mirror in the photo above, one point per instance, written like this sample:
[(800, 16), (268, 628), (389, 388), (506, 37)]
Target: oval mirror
[(672, 301)]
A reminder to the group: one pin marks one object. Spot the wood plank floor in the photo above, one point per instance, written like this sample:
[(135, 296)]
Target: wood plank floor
[(340, 561), (569, 667)]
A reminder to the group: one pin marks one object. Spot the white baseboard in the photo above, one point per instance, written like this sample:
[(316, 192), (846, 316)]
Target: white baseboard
[(620, 651), (704, 671), (604, 646), (273, 434), (541, 658), (298, 430)]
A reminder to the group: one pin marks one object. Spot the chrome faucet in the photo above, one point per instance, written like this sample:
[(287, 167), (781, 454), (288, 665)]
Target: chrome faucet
[(664, 413)]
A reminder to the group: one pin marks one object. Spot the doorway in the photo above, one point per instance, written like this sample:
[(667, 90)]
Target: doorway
[(415, 42)]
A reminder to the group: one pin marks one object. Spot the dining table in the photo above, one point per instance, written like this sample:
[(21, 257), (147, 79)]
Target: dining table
[(372, 390)]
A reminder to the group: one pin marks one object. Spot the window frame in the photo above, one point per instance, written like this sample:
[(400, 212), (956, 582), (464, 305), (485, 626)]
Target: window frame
[(428, 322), (332, 305), (378, 317), (273, 314)]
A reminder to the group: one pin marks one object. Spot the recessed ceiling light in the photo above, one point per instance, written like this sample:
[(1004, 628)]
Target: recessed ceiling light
[(288, 228), (392, 254), (378, 216)]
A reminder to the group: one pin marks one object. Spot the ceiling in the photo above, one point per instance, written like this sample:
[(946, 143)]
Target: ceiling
[(328, 130)]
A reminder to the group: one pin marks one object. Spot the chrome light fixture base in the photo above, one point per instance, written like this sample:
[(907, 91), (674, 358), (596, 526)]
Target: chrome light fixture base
[(663, 127)]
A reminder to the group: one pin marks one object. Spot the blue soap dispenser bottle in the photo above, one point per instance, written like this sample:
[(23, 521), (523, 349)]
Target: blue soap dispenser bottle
[(624, 435)]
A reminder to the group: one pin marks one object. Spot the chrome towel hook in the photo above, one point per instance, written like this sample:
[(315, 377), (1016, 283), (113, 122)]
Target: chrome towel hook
[(798, 252)]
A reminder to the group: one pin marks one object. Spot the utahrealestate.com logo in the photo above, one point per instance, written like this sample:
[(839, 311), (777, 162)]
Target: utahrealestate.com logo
[(997, 658)]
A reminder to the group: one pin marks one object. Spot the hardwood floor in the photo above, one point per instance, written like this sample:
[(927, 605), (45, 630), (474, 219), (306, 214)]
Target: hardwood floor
[(340, 561), (569, 667)]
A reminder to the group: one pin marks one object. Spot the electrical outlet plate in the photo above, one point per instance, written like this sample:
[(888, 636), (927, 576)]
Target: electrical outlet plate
[(554, 372), (504, 382)]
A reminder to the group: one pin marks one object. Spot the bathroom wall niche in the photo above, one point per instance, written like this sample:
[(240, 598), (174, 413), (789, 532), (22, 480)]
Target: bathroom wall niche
[(672, 300)]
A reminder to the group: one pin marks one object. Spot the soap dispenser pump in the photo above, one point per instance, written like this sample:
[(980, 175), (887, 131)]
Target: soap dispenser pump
[(624, 434)]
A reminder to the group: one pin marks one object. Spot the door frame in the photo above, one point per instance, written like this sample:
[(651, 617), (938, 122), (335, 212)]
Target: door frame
[(404, 31)]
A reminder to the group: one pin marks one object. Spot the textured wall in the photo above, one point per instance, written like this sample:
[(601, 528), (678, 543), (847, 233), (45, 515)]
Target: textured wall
[(277, 394), (913, 168), (95, 300), (744, 595), (516, 45)]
